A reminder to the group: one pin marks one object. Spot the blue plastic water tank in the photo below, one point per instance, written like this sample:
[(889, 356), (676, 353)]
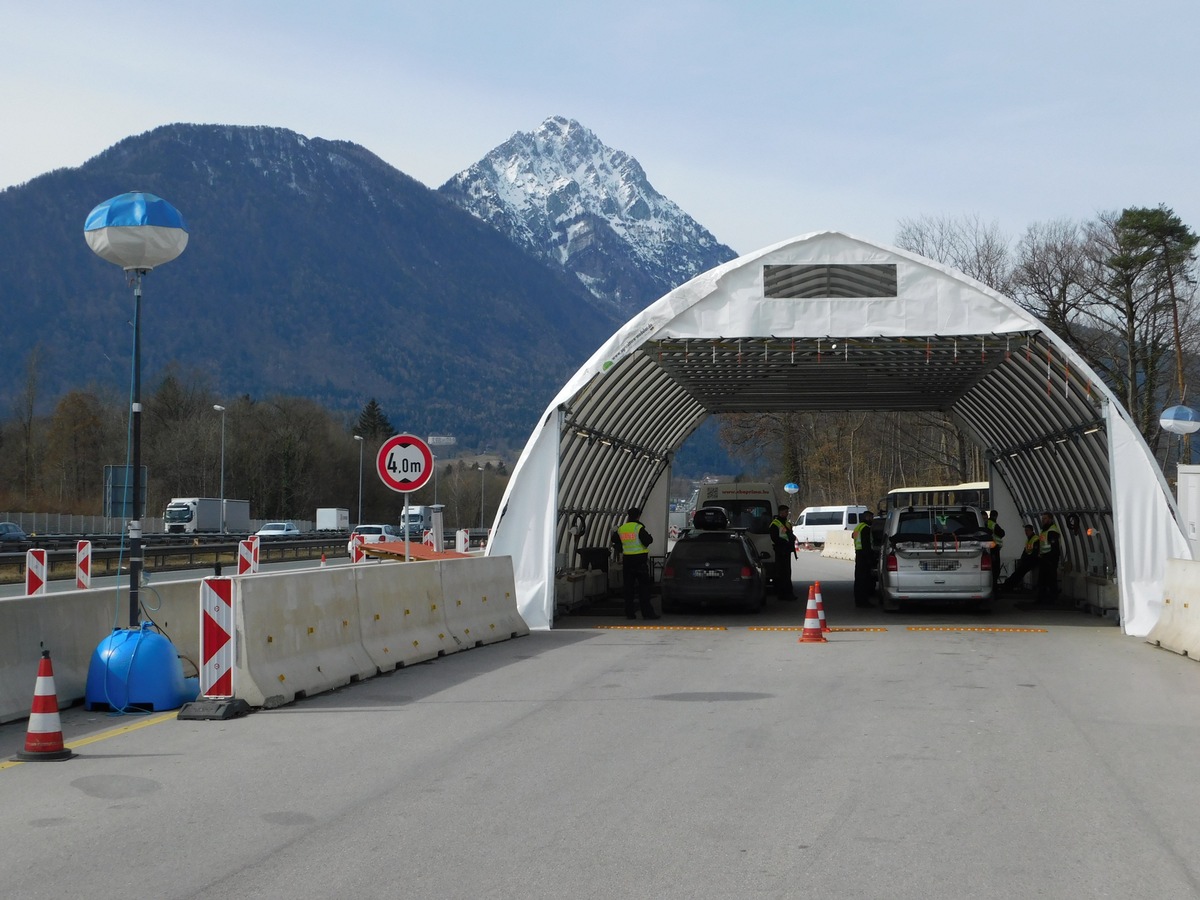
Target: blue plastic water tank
[(137, 670)]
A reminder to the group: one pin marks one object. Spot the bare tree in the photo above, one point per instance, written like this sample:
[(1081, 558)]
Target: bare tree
[(968, 244)]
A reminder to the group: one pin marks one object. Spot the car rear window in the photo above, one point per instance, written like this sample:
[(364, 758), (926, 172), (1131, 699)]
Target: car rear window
[(368, 529), (936, 523), (708, 551)]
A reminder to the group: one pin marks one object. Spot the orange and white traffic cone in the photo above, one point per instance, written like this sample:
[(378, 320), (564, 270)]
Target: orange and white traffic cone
[(812, 633), (820, 606), (43, 738), (322, 559)]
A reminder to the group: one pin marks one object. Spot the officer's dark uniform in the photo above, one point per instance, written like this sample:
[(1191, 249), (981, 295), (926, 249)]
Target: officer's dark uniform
[(634, 542)]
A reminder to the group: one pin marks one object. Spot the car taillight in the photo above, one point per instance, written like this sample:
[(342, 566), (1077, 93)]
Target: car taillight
[(985, 562), (892, 565), (747, 572), (668, 572)]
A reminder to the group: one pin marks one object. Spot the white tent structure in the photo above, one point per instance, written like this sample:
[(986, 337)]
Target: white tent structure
[(827, 321)]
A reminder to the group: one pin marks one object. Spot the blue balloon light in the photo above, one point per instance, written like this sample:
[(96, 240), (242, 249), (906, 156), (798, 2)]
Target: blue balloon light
[(1180, 420), (136, 231)]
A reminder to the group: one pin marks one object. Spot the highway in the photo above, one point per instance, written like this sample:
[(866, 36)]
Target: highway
[(938, 755)]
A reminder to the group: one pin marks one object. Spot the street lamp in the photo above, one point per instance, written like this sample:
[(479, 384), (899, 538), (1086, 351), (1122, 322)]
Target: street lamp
[(479, 466), (221, 410), (136, 231), (359, 438)]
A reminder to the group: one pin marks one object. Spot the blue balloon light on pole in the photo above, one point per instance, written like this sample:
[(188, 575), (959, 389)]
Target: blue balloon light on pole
[(136, 668), (1180, 420), (138, 232)]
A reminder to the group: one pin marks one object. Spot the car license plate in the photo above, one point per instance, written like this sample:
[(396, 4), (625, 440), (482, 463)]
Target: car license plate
[(708, 573), (940, 565)]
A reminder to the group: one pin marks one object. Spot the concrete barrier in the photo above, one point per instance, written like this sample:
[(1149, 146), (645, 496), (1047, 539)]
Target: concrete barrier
[(839, 545), (481, 600), (403, 621), (1178, 625), (298, 632)]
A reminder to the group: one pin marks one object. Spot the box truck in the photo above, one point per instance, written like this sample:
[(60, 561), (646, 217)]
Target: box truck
[(332, 519), (751, 506), (187, 515), (420, 520)]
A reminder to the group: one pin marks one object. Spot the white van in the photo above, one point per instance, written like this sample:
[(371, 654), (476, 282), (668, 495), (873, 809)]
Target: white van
[(751, 505), (817, 521)]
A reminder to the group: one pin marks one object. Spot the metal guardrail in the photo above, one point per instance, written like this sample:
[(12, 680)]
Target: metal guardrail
[(171, 552), (218, 552)]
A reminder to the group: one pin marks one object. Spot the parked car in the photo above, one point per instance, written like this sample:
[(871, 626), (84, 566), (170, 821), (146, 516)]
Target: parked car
[(279, 529), (937, 554), (374, 534), (713, 568), (12, 532)]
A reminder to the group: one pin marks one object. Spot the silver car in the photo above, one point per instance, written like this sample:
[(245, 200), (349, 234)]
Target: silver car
[(935, 554)]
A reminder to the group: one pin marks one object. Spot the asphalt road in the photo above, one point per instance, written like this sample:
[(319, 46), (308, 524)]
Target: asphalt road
[(715, 756)]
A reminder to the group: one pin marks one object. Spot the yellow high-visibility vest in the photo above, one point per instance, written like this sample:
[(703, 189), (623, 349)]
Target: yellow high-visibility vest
[(998, 541), (1044, 537), (631, 543), (858, 535)]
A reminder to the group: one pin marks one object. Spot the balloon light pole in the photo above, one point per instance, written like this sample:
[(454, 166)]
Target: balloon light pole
[(138, 232), (359, 438), (218, 408)]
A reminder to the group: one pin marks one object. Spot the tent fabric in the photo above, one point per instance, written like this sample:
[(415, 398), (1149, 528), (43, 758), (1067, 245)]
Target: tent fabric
[(827, 321)]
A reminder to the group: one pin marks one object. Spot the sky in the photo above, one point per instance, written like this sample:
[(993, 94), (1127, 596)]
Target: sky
[(763, 120)]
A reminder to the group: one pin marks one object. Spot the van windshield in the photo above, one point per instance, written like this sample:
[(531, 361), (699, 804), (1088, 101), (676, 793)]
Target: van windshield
[(752, 515)]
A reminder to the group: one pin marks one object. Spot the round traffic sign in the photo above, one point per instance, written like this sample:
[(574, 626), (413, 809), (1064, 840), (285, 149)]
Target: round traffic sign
[(405, 463)]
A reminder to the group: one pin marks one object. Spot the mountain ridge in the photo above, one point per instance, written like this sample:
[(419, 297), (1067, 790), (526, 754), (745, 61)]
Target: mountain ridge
[(570, 199)]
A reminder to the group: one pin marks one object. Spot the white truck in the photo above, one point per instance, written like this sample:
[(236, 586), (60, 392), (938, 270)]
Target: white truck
[(333, 519), (750, 505), (420, 520), (188, 515)]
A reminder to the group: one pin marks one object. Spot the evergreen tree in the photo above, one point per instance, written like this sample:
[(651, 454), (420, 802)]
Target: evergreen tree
[(372, 423)]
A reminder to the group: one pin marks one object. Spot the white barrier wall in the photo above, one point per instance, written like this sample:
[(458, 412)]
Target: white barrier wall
[(839, 545), (300, 632), (1178, 625), (400, 628), (71, 624)]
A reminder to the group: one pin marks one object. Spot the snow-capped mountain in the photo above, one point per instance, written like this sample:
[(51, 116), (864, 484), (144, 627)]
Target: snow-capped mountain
[(563, 195)]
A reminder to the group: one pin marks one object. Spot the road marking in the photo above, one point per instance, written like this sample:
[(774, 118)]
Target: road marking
[(801, 628), (663, 627), (976, 628), (105, 735)]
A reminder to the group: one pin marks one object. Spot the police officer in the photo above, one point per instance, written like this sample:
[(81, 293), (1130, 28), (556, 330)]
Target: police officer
[(1029, 560), (634, 542), (864, 560), (1049, 553), (997, 542), (783, 539)]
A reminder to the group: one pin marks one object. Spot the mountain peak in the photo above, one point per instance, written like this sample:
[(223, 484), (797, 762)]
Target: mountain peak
[(565, 196)]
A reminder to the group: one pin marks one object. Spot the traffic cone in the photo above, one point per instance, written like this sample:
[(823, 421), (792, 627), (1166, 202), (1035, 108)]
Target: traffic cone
[(43, 738), (820, 606), (322, 559), (812, 633)]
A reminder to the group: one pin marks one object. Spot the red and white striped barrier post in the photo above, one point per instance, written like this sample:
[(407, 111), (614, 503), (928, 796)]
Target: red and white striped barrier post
[(216, 637), (35, 572), (83, 565), (247, 557), (356, 548)]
